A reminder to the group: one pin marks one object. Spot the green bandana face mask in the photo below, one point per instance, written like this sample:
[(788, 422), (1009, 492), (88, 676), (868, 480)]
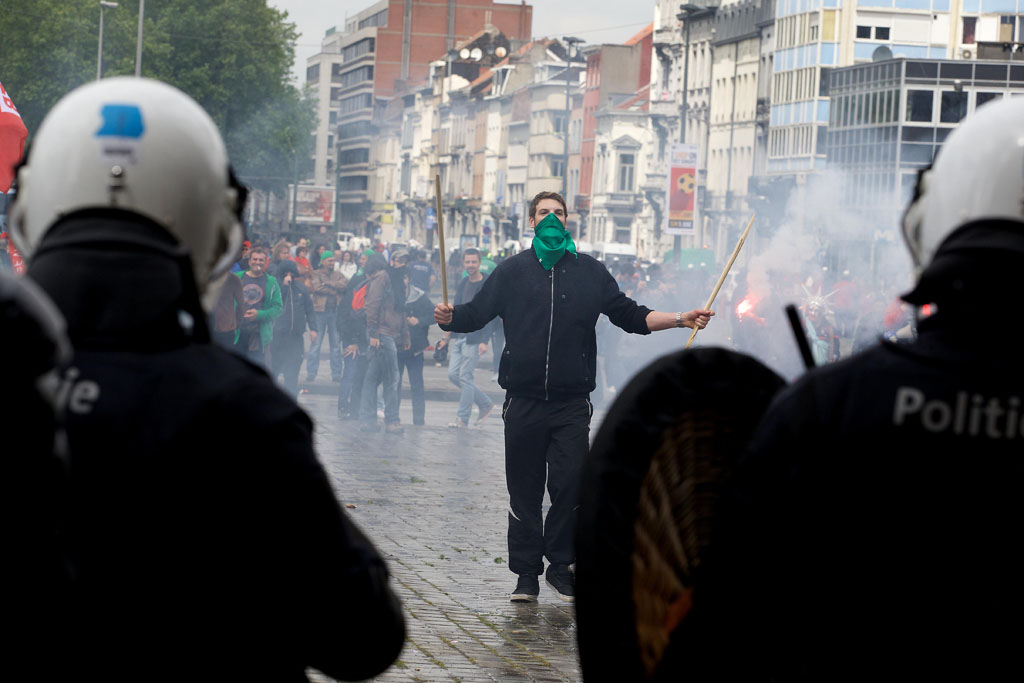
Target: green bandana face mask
[(551, 240)]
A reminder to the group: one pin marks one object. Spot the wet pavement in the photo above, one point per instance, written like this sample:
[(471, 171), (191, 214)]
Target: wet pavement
[(434, 501)]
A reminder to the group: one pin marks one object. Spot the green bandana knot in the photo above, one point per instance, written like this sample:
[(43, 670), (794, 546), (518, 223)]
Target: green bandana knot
[(551, 240)]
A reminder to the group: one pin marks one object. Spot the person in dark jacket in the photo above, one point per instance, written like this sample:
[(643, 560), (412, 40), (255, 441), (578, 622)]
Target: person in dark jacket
[(418, 315), (550, 298), (354, 342), (205, 534), (297, 316), (868, 533), (388, 332)]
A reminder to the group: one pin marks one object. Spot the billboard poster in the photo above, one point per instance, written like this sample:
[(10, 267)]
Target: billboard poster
[(681, 194), (314, 204)]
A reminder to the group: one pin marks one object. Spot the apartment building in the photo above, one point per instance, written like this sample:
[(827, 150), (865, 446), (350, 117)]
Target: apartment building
[(815, 36), (386, 50)]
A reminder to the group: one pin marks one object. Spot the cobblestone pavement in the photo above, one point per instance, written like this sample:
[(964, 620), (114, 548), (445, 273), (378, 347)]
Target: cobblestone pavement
[(434, 501)]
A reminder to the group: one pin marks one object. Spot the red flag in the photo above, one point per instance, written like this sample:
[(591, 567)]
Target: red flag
[(12, 139)]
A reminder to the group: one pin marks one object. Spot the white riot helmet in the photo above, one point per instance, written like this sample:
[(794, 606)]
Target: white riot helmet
[(977, 176), (140, 146)]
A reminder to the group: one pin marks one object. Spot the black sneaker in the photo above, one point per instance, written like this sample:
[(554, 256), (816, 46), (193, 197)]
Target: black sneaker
[(560, 579), (527, 589)]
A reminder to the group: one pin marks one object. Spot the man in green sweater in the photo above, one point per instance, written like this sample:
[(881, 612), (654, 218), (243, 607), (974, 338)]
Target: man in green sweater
[(262, 297)]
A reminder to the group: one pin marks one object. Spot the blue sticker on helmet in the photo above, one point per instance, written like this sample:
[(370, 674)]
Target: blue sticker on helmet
[(121, 121)]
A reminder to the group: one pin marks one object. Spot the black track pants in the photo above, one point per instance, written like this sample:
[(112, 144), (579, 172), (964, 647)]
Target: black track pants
[(544, 440)]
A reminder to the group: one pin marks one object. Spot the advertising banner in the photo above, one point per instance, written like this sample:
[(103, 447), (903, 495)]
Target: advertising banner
[(314, 204), (681, 194)]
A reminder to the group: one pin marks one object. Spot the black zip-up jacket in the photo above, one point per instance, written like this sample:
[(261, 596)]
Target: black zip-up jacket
[(873, 488), (549, 317), (297, 314), (418, 306), (352, 324), (201, 522)]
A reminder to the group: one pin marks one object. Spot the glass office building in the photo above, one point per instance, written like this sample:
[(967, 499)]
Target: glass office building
[(813, 37), (889, 119)]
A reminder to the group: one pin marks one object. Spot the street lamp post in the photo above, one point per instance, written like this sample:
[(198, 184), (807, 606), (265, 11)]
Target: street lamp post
[(138, 40), (99, 56), (570, 52)]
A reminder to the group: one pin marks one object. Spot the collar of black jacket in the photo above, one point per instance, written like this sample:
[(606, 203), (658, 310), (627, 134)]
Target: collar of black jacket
[(121, 282)]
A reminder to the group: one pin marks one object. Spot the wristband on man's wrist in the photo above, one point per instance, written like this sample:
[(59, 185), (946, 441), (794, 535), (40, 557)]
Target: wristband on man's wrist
[(679, 319)]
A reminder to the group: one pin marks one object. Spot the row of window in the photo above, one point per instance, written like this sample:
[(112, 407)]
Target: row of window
[(873, 32), (356, 129), (352, 183), (359, 155), (797, 141), (359, 49), (378, 19), (797, 85), (348, 105), (356, 76)]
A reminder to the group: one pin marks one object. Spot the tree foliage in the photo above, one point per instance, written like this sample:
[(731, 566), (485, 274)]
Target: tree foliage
[(232, 56)]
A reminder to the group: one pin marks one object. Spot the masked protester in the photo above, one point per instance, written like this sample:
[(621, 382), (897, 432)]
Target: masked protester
[(869, 531), (206, 537), (549, 298)]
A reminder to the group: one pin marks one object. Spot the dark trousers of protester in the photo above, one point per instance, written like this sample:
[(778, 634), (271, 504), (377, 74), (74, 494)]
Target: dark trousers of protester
[(413, 363), (286, 359), (223, 339), (381, 370), (250, 345), (350, 390), (326, 326), (543, 440)]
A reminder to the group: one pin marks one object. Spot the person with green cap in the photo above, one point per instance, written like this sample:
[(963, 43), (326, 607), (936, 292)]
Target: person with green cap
[(549, 298)]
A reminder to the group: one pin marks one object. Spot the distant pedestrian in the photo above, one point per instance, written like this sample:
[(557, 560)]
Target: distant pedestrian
[(388, 332), (227, 316), (286, 349), (326, 286), (421, 273), (242, 264), (347, 265), (352, 328), (550, 299), (465, 350), (262, 305), (419, 316)]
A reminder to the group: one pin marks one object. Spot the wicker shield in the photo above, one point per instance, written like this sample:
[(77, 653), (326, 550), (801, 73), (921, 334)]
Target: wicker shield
[(648, 497)]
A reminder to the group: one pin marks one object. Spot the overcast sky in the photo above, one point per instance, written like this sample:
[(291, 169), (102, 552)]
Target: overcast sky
[(596, 21)]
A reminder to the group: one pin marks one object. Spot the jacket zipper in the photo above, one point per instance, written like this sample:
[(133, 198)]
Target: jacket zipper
[(551, 324)]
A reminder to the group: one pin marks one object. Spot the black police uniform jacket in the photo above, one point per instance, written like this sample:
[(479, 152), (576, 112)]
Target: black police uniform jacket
[(206, 537), (549, 317), (873, 529)]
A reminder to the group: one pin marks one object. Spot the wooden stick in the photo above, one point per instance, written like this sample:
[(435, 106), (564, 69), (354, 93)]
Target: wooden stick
[(440, 237), (721, 280)]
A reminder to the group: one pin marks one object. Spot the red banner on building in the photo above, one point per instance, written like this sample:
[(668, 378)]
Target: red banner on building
[(12, 139), (681, 194)]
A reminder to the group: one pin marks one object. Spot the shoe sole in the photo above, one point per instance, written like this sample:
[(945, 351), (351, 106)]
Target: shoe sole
[(563, 598), (523, 597)]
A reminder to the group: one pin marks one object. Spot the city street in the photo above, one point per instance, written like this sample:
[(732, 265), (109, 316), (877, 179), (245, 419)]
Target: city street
[(434, 501)]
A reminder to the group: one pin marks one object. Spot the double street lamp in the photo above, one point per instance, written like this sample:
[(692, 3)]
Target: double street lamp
[(106, 4)]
